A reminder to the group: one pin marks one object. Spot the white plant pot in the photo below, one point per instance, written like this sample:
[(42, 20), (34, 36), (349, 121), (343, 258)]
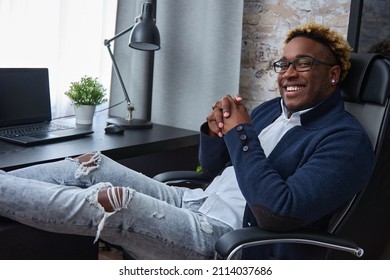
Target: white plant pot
[(84, 114)]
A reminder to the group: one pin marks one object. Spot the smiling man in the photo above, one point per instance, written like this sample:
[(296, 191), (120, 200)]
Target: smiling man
[(298, 158), (314, 74)]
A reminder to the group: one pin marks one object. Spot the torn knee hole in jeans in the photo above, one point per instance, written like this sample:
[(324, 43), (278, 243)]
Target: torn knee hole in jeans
[(114, 198), (87, 163), (110, 199)]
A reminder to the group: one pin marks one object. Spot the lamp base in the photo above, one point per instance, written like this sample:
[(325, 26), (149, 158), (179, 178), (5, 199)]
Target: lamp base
[(130, 124)]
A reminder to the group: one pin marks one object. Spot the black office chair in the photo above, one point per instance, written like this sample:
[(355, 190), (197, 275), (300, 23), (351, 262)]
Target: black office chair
[(366, 92)]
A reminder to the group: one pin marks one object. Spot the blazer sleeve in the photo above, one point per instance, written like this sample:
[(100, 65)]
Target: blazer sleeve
[(213, 153)]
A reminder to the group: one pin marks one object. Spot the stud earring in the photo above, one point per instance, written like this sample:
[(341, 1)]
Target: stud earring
[(333, 81)]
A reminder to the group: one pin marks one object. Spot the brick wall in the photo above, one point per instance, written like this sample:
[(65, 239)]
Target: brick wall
[(264, 27)]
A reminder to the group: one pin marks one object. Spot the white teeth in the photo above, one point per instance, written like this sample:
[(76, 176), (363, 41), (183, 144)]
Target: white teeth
[(293, 88)]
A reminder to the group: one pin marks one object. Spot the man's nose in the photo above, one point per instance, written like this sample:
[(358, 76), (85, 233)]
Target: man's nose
[(290, 71)]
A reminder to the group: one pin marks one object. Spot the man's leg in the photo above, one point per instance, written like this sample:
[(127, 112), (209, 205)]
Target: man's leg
[(144, 226), (157, 230), (141, 221), (90, 169)]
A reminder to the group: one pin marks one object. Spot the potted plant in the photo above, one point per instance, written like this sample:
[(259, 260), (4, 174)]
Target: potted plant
[(85, 95)]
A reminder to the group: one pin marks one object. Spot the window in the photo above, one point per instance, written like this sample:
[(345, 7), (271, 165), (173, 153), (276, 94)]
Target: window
[(65, 36), (368, 26)]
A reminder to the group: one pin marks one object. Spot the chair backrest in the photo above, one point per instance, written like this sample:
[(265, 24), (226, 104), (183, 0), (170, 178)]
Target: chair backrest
[(366, 91)]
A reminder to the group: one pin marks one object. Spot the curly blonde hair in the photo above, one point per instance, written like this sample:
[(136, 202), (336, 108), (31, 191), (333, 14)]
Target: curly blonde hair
[(333, 40)]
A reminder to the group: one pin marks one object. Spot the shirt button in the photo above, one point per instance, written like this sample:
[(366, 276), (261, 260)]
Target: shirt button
[(243, 137), (239, 128), (245, 148)]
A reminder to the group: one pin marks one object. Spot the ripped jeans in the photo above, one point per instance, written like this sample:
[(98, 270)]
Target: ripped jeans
[(146, 218)]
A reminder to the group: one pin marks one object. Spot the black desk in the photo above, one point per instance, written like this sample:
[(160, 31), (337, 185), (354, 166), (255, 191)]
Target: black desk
[(135, 142), (18, 241)]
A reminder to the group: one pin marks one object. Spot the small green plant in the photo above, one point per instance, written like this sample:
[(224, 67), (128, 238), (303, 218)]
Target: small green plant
[(87, 91)]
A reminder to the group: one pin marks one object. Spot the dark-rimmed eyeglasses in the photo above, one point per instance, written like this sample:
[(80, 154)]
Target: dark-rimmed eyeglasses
[(301, 64)]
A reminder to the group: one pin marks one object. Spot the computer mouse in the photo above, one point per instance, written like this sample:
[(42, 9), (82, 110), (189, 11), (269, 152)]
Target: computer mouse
[(114, 129)]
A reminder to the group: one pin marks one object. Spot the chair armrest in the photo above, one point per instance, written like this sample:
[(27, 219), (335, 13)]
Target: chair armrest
[(191, 179), (233, 241)]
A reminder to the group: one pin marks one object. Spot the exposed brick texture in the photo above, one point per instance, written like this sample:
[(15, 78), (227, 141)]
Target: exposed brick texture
[(264, 27)]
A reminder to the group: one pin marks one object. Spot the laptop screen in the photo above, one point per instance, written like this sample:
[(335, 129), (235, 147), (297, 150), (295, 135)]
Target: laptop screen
[(24, 96)]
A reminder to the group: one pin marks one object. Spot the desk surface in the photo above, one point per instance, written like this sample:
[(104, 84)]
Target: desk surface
[(133, 142)]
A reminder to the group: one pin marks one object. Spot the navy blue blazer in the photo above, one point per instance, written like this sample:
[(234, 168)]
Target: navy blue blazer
[(314, 170)]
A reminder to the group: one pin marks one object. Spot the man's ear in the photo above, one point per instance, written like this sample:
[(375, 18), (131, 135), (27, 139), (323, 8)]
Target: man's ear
[(335, 74)]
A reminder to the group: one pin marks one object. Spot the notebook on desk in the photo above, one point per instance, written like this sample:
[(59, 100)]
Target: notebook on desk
[(25, 109)]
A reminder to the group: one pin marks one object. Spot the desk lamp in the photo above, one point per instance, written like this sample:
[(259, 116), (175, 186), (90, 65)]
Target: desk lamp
[(146, 37)]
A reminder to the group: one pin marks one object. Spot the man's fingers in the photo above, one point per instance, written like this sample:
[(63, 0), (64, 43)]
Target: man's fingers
[(215, 123), (238, 99), (222, 109), (226, 104), (218, 117)]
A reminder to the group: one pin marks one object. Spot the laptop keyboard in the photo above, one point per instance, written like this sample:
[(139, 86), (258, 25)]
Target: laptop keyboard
[(32, 129)]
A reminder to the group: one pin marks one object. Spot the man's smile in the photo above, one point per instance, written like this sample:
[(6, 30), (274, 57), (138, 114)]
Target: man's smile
[(293, 91), (294, 88)]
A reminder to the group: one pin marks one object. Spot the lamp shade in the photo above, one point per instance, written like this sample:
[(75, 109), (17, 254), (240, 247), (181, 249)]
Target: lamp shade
[(145, 35)]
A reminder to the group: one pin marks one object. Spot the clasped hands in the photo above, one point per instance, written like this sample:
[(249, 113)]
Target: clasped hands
[(227, 113)]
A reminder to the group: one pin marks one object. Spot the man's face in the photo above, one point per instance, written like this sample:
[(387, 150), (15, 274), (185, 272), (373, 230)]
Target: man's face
[(303, 90)]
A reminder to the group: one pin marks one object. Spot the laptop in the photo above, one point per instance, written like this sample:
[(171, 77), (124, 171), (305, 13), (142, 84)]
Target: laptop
[(25, 109)]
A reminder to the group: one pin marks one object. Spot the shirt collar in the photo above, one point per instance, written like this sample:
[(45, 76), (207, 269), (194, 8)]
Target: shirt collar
[(295, 115)]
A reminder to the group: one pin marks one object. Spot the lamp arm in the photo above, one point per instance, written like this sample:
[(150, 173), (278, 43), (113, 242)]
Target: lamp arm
[(130, 106), (108, 41)]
